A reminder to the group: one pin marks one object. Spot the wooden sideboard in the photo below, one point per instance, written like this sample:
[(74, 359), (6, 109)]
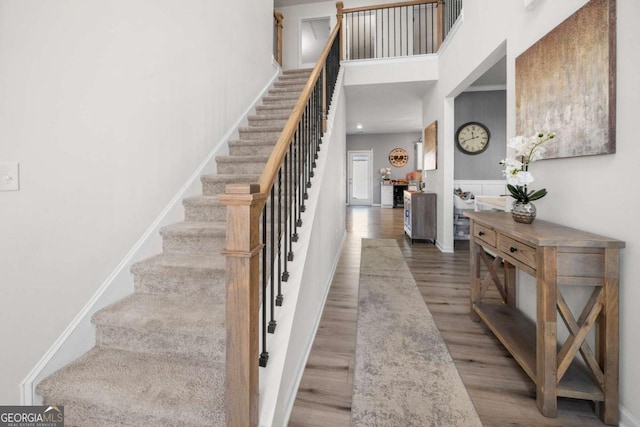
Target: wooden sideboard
[(420, 215), (556, 256)]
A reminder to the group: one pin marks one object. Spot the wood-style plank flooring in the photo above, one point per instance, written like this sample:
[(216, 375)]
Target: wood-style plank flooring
[(501, 392)]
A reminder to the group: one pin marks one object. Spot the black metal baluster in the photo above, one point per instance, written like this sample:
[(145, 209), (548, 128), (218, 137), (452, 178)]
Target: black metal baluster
[(307, 162), (264, 356), (281, 237), (296, 185), (272, 261), (299, 183), (290, 209)]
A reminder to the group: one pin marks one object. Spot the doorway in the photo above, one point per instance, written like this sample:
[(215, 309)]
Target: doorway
[(360, 178), (314, 34)]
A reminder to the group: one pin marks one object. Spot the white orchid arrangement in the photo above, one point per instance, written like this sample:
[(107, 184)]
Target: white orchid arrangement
[(516, 169), (385, 172)]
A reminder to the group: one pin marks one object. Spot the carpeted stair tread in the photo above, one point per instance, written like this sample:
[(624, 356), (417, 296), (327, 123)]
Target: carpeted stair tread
[(292, 88), (261, 142), (202, 201), (242, 159), (260, 129), (279, 100), (204, 208), (182, 274), (211, 229), (113, 387), (175, 325), (274, 109), (172, 263), (180, 314)]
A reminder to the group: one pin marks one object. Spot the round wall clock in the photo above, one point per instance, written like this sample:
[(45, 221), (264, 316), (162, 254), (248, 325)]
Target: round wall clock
[(472, 138), (398, 157)]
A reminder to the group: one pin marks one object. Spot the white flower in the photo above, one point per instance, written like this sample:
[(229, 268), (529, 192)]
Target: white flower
[(518, 143), (516, 170), (524, 178)]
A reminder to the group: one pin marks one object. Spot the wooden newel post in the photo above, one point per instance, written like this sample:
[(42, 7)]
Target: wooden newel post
[(244, 204), (279, 23), (339, 7)]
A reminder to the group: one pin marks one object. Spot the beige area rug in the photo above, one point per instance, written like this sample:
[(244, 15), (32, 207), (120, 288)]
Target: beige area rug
[(404, 374)]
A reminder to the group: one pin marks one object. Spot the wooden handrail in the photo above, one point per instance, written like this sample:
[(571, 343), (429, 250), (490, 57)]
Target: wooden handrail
[(389, 5), (282, 145)]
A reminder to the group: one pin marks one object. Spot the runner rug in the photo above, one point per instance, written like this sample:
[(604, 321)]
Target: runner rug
[(404, 374)]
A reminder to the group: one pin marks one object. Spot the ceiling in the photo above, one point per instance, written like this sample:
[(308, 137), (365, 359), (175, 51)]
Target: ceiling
[(397, 107), (385, 108)]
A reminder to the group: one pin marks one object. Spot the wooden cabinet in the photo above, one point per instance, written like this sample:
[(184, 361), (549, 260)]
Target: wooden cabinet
[(557, 257), (420, 215)]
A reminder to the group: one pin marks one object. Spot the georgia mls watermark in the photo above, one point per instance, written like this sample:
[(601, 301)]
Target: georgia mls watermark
[(32, 416)]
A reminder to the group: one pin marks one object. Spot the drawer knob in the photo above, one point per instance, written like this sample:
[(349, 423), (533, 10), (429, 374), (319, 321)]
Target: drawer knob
[(481, 233), (512, 249)]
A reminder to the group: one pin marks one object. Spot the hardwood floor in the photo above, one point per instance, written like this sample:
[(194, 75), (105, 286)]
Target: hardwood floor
[(501, 392)]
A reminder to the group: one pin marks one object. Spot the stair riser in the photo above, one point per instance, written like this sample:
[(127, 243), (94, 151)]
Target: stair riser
[(258, 135), (287, 90), (267, 122), (193, 244), (274, 110), (270, 100), (241, 168), (211, 285), (161, 343), (290, 85), (250, 150), (208, 213)]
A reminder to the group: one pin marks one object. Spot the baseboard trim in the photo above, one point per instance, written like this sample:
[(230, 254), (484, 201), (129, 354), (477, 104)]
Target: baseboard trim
[(120, 278)]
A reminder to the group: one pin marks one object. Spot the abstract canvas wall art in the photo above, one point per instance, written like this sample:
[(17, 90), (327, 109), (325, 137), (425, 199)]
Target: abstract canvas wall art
[(565, 83)]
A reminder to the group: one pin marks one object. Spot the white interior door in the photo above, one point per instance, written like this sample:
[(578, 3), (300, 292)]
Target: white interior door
[(360, 178)]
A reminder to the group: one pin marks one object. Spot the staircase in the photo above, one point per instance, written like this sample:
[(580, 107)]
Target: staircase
[(159, 358)]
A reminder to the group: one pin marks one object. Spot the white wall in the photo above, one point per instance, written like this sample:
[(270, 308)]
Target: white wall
[(108, 107), (590, 193)]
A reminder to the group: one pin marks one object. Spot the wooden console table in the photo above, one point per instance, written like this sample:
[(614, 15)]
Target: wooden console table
[(556, 256)]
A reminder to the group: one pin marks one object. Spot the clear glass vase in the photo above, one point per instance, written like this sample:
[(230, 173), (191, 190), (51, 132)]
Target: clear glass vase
[(524, 213)]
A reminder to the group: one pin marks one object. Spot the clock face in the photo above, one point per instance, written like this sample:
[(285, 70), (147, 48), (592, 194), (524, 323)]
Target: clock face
[(398, 157), (472, 138)]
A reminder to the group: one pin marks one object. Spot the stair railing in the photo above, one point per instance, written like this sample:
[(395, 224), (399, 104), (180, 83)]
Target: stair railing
[(263, 220), (398, 29)]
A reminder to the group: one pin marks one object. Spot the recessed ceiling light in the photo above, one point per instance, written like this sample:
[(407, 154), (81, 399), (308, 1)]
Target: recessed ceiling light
[(359, 126)]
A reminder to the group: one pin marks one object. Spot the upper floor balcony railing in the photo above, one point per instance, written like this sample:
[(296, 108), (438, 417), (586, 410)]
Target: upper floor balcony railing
[(397, 29)]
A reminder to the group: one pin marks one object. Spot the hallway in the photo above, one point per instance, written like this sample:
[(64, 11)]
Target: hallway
[(501, 392)]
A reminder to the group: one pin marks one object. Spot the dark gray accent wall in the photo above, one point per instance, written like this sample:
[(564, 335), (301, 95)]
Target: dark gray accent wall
[(381, 145), (490, 109)]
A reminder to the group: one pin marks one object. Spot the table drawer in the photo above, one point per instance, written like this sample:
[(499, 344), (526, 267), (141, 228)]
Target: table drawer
[(485, 234), (518, 250)]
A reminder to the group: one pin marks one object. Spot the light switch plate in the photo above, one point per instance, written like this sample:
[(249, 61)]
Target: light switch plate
[(9, 177)]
